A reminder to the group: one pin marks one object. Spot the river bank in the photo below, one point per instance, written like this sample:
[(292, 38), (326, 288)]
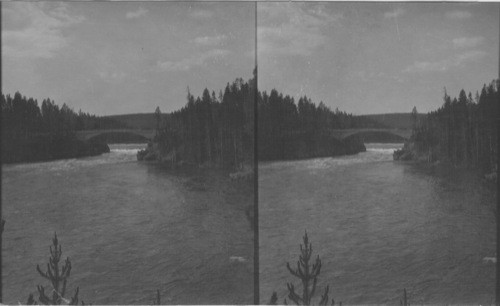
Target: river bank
[(306, 145), (48, 147), (292, 148), (173, 159), (430, 161)]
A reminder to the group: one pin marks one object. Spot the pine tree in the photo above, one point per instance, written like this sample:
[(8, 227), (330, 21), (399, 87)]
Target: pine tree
[(58, 277), (274, 299), (308, 275), (158, 120), (414, 116)]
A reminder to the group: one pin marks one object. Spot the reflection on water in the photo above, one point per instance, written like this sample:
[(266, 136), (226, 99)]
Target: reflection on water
[(129, 228), (379, 226)]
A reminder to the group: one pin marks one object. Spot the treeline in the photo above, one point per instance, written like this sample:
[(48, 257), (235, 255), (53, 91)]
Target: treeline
[(23, 118), (220, 129), (210, 129), (289, 130), (395, 120), (33, 133), (463, 131)]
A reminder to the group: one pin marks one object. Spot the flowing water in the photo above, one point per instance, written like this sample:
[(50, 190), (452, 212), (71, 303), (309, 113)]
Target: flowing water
[(379, 226), (129, 229)]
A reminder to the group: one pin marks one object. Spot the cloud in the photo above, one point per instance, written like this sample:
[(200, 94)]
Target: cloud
[(292, 28), (458, 15), (112, 76), (196, 60), (136, 14), (445, 64), (210, 40), (472, 55), (35, 29), (467, 42), (202, 14), (394, 13)]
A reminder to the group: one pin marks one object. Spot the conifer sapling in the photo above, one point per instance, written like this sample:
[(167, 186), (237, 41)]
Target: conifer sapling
[(58, 277), (308, 275)]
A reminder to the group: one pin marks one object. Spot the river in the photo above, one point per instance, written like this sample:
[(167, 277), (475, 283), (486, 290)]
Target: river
[(379, 226), (129, 228)]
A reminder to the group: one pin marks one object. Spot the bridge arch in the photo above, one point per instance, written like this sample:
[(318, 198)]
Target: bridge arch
[(117, 136), (378, 136)]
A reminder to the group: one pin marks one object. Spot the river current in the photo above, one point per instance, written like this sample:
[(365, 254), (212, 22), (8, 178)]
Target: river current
[(379, 226), (129, 228)]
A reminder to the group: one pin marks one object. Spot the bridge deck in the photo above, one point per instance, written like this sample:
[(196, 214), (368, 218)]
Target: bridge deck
[(338, 133), (88, 134), (344, 133)]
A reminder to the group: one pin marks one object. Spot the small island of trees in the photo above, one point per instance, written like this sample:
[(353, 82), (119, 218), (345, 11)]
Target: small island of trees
[(219, 129)]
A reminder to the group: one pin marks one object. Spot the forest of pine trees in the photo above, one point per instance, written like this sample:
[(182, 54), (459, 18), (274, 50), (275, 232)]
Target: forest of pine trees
[(463, 131), (33, 133), (289, 130), (219, 129), (22, 118), (212, 130)]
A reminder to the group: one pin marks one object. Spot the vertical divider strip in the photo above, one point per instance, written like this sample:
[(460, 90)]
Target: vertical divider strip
[(256, 297), (497, 289)]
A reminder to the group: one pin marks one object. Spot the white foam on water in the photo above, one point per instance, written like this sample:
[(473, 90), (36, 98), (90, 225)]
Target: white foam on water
[(383, 147), (125, 151), (375, 152), (132, 148), (381, 150), (490, 259), (237, 259), (118, 153)]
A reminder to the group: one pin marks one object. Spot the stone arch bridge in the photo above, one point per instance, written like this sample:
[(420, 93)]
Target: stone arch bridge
[(89, 134), (403, 134), (338, 133)]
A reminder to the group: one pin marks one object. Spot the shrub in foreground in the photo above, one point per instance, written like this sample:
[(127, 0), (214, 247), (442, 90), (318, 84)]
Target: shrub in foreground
[(308, 273), (58, 278)]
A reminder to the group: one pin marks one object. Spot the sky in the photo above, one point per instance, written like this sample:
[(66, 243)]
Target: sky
[(128, 57), (367, 58)]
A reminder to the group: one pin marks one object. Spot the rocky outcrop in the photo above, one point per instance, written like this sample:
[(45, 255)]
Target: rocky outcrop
[(409, 152), (403, 155), (353, 145), (95, 148), (151, 153)]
